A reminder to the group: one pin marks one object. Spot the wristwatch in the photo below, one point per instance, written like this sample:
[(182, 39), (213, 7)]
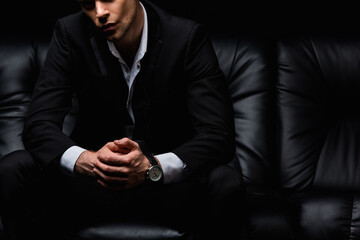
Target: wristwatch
[(154, 173)]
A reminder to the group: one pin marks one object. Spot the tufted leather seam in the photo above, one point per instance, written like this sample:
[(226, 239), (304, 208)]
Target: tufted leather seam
[(236, 52), (314, 51)]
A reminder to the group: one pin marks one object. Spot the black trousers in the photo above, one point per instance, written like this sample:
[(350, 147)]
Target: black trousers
[(44, 204)]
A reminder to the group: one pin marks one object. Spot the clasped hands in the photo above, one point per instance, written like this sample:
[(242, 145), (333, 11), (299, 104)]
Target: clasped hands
[(117, 165)]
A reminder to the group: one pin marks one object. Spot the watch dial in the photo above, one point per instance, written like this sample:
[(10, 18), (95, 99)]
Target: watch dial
[(155, 173)]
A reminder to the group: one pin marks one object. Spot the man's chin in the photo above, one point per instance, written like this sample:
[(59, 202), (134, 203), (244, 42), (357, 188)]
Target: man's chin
[(112, 37), (109, 36)]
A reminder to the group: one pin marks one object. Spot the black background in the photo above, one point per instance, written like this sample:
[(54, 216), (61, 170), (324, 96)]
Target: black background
[(259, 17)]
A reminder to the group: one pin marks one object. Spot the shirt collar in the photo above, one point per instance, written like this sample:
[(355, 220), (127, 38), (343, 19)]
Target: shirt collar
[(143, 42)]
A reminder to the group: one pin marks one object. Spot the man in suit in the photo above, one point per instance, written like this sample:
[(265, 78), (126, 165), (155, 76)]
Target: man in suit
[(154, 125)]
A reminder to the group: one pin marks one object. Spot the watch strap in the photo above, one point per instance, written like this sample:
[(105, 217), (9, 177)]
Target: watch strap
[(152, 159)]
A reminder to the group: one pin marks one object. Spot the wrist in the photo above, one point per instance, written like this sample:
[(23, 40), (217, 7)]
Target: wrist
[(154, 173)]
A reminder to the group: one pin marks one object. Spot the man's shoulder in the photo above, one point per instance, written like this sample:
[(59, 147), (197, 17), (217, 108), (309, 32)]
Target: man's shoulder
[(168, 20)]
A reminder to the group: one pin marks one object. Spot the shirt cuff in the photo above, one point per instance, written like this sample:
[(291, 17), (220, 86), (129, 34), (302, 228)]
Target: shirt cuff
[(69, 158), (173, 167)]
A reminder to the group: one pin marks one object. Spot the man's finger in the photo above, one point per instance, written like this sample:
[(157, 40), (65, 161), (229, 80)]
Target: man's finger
[(126, 143), (111, 170)]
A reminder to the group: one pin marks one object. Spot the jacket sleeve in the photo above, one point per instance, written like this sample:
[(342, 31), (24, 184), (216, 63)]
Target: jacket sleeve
[(51, 101), (209, 105)]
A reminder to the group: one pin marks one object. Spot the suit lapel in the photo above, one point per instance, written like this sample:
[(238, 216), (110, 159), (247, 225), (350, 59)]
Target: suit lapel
[(154, 41), (148, 63), (141, 100), (109, 65), (112, 78), (98, 56)]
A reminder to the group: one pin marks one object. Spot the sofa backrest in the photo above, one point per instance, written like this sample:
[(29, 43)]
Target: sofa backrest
[(248, 64), (18, 72), (319, 112)]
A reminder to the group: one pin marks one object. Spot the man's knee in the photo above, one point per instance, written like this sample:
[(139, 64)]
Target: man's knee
[(16, 170), (15, 164), (225, 181)]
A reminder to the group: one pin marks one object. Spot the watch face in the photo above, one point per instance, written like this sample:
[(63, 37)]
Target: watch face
[(155, 173)]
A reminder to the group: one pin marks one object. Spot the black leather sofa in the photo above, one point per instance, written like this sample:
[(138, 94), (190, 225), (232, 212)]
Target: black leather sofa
[(296, 102), (244, 62)]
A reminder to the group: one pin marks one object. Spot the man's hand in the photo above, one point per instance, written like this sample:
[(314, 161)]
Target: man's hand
[(120, 165)]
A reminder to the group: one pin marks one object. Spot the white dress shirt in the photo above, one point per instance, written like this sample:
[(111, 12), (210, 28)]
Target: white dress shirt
[(173, 167)]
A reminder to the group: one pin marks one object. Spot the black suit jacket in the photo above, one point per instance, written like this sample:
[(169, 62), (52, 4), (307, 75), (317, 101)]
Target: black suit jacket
[(181, 101)]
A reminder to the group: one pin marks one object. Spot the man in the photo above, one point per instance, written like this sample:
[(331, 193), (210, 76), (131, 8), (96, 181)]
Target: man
[(154, 126)]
